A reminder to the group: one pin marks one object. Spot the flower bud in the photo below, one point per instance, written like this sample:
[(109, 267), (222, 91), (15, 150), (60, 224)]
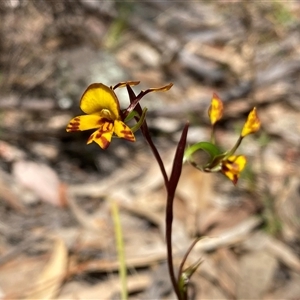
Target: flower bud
[(215, 110), (252, 124)]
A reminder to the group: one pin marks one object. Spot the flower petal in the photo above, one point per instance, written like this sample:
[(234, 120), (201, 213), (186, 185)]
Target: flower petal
[(123, 131), (215, 110), (233, 166), (103, 135), (252, 124), (98, 97), (85, 122), (124, 83)]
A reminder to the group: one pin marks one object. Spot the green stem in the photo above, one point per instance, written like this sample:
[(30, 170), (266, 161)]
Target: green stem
[(237, 144), (212, 137), (120, 249)]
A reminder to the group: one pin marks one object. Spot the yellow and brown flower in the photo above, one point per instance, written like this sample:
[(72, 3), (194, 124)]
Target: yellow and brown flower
[(102, 109)]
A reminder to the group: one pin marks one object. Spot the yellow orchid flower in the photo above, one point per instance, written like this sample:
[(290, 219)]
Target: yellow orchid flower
[(233, 166), (215, 110), (102, 109), (252, 124)]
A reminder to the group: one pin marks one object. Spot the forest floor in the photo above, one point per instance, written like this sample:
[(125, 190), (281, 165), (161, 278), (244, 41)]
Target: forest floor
[(57, 235)]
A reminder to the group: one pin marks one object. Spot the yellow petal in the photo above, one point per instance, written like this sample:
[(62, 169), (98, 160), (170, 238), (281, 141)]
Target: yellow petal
[(215, 110), (123, 131), (233, 166), (85, 122), (161, 89), (102, 136), (252, 124), (98, 97)]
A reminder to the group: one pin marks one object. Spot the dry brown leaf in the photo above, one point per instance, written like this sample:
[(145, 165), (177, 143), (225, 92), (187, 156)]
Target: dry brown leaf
[(10, 153), (105, 265), (8, 193), (229, 237), (288, 208), (14, 275), (105, 290), (260, 241), (208, 289), (88, 221), (288, 291), (227, 265), (256, 274), (53, 274), (196, 190), (41, 179), (215, 220), (283, 121)]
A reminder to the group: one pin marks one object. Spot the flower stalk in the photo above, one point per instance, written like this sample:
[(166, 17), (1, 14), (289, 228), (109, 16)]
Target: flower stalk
[(103, 114)]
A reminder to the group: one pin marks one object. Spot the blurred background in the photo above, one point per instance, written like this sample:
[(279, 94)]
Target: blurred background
[(56, 228)]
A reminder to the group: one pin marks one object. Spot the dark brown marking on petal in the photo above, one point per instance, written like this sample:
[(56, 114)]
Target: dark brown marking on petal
[(129, 137), (235, 179), (225, 168), (99, 139), (99, 135), (107, 126), (105, 143), (73, 126), (72, 129), (101, 121), (127, 133), (74, 123)]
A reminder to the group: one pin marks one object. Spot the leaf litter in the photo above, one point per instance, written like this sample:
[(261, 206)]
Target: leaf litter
[(56, 224)]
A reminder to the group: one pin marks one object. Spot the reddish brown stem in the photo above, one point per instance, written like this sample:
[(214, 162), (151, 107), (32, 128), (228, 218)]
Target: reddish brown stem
[(174, 178), (170, 185)]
